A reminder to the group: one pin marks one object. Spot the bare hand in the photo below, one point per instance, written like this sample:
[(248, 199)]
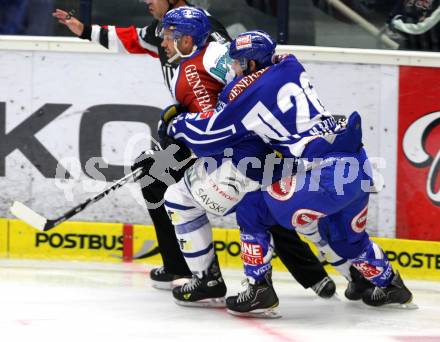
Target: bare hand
[(72, 23)]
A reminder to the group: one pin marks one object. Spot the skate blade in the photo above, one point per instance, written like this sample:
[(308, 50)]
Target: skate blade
[(204, 303), (404, 306), (259, 313)]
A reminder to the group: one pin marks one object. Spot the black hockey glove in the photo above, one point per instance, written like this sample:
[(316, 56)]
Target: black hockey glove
[(170, 112), (165, 140), (145, 160)]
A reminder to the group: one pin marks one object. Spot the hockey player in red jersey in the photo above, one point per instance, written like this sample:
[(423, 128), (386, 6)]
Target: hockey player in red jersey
[(204, 69), (147, 40)]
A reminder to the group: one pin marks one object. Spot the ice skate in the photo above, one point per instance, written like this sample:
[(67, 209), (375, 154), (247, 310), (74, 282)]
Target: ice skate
[(326, 288), (259, 300), (163, 280), (394, 295), (207, 291), (357, 286)]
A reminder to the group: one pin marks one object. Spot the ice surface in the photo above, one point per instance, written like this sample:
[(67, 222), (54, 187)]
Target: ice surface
[(72, 301)]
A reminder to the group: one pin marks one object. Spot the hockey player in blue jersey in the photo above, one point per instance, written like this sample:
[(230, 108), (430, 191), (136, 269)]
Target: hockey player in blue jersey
[(220, 193), (327, 202)]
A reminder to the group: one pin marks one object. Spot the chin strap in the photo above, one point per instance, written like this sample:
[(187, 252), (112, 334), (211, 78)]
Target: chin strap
[(173, 59), (179, 54)]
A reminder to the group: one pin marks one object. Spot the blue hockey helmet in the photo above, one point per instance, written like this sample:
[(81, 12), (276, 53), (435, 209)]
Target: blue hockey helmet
[(253, 45), (189, 21)]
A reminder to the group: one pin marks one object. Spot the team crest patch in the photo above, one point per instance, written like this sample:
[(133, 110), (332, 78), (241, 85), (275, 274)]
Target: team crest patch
[(359, 222), (305, 217), (283, 189), (367, 270), (244, 42), (251, 253)]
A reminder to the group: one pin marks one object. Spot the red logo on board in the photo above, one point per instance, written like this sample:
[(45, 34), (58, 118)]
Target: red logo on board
[(418, 181)]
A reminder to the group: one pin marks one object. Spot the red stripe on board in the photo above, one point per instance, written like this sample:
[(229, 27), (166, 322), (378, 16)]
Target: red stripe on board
[(127, 242)]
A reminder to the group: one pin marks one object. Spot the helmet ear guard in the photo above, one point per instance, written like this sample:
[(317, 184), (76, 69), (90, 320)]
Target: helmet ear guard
[(243, 63)]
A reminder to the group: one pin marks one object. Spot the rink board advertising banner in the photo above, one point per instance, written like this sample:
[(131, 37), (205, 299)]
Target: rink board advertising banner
[(418, 191), (111, 242), (84, 241), (62, 142)]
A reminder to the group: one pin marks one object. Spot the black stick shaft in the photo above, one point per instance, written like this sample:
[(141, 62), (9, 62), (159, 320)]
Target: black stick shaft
[(80, 207)]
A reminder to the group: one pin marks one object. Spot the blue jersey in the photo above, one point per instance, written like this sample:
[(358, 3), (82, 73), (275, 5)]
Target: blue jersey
[(277, 104)]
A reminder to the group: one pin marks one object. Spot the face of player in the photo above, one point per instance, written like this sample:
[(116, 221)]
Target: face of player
[(168, 43), (184, 44), (244, 67), (157, 8), (236, 66)]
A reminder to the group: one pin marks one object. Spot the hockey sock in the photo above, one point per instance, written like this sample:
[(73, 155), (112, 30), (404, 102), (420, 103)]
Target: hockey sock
[(195, 241), (256, 253), (374, 265)]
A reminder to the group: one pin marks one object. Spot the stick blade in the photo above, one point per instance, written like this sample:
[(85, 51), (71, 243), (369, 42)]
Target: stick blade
[(27, 215)]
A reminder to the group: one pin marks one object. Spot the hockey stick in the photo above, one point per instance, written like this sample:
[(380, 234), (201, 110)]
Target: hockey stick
[(34, 219)]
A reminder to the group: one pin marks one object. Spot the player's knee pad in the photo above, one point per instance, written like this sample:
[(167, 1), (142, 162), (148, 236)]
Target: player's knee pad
[(256, 253), (374, 265)]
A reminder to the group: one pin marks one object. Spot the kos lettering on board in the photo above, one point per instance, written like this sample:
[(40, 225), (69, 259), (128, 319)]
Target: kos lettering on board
[(23, 137)]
